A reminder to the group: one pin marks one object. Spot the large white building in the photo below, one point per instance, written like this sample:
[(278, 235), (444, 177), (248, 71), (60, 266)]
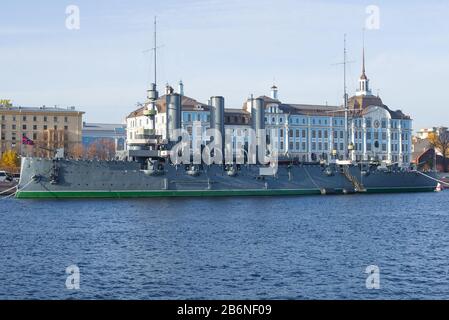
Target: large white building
[(305, 132)]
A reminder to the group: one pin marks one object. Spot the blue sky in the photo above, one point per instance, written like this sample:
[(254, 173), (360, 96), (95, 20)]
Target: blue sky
[(230, 48)]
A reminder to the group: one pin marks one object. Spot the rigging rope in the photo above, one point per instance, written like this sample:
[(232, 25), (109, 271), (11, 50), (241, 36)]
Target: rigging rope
[(432, 178), (18, 189)]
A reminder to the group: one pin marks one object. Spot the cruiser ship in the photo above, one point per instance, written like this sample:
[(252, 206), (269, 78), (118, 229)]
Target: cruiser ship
[(148, 170)]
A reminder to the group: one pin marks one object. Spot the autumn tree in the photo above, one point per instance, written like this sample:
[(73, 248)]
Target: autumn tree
[(102, 149), (440, 142), (92, 151), (77, 151), (10, 160)]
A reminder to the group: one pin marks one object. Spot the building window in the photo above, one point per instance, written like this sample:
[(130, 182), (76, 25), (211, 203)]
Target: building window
[(384, 136), (34, 118), (320, 146), (3, 118), (297, 145), (313, 146), (34, 136), (45, 127), (66, 119), (290, 134), (55, 119), (326, 146), (326, 134), (303, 133), (335, 134), (13, 118), (290, 145), (24, 127), (341, 135), (24, 118), (368, 136), (313, 134), (45, 118), (282, 145), (282, 134), (14, 127), (66, 128), (320, 134)]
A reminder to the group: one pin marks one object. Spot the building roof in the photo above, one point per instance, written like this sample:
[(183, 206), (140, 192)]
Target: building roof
[(236, 111), (102, 126), (188, 104), (43, 109)]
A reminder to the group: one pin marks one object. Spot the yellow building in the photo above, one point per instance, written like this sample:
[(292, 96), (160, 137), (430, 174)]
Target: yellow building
[(49, 128)]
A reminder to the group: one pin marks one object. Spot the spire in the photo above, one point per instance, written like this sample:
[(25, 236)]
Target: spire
[(364, 88), (363, 76), (363, 66)]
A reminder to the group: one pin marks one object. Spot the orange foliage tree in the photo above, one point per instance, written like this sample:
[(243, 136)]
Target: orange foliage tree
[(440, 141)]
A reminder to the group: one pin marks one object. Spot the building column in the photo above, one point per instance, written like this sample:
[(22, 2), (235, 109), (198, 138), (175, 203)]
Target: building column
[(364, 155)]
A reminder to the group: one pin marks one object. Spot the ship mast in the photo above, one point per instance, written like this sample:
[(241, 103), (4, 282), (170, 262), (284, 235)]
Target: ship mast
[(346, 151), (155, 50)]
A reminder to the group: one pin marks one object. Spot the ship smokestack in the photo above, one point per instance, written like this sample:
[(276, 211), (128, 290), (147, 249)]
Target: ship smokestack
[(258, 121), (217, 119), (173, 114)]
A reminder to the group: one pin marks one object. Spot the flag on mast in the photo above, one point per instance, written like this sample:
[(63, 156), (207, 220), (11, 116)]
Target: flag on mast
[(27, 141)]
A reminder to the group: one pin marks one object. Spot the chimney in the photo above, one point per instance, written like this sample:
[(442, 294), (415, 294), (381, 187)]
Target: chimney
[(181, 88)]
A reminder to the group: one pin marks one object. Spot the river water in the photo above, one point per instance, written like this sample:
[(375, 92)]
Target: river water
[(315, 247)]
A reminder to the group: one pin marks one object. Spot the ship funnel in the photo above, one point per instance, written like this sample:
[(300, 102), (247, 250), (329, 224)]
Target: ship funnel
[(258, 114), (217, 118), (258, 121), (173, 114)]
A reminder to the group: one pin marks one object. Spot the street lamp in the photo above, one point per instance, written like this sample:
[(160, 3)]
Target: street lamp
[(334, 153), (350, 149)]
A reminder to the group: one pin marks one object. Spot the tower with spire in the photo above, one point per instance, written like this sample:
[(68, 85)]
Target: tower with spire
[(364, 88)]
